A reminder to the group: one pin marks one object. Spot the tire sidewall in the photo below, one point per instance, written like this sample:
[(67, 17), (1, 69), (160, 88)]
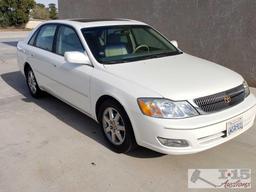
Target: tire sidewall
[(129, 142), (37, 94)]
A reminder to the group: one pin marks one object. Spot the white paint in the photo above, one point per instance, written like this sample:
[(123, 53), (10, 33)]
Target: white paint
[(180, 77)]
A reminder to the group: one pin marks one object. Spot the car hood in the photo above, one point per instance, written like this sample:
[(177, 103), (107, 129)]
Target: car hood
[(179, 77)]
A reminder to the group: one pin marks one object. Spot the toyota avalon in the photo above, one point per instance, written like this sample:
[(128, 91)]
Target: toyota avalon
[(139, 86)]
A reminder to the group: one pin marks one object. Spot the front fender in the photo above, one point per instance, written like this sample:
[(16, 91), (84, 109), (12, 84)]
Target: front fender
[(124, 91)]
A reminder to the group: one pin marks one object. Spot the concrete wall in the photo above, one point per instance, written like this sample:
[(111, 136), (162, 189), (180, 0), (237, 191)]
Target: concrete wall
[(223, 31)]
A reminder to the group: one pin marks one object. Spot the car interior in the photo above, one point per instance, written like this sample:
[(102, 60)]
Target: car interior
[(118, 42)]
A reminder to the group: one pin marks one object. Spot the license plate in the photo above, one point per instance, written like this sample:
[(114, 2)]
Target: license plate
[(234, 126)]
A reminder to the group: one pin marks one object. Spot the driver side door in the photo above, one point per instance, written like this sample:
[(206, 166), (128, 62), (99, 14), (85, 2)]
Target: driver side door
[(71, 82)]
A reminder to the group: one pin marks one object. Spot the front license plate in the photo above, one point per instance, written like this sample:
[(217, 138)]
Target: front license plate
[(234, 126)]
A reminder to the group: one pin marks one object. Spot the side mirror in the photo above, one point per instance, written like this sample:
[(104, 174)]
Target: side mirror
[(175, 43), (77, 58)]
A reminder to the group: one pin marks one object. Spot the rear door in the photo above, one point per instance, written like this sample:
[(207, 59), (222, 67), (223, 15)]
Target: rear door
[(40, 55)]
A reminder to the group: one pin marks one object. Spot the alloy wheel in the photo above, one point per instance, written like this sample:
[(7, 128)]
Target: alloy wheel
[(113, 126), (32, 82)]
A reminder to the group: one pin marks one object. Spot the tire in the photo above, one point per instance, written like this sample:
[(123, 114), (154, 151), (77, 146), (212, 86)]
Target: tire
[(117, 129), (32, 84)]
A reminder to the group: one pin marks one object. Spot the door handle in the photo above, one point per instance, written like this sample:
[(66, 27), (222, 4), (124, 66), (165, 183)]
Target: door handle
[(54, 65)]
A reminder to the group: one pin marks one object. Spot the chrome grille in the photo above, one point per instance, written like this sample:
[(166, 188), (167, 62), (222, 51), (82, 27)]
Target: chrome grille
[(219, 102)]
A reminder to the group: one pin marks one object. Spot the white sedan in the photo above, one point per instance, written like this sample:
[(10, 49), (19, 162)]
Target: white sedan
[(139, 86)]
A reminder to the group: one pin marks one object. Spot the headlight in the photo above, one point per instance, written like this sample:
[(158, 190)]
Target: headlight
[(246, 89), (163, 108)]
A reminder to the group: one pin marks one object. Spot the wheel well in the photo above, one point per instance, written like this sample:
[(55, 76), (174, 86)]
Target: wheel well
[(26, 68), (103, 99), (107, 97)]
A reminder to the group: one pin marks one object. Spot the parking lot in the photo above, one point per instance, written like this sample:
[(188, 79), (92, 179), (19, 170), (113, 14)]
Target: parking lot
[(46, 145)]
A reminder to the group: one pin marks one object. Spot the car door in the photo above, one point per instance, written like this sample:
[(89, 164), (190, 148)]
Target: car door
[(71, 82), (39, 54)]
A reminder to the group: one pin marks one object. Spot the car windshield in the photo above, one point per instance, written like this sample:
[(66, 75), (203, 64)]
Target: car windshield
[(119, 44)]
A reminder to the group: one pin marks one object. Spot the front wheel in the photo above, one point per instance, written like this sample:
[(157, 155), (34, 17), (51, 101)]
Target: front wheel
[(117, 127)]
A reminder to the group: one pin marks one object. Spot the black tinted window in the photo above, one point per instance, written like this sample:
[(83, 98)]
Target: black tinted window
[(45, 37), (67, 40)]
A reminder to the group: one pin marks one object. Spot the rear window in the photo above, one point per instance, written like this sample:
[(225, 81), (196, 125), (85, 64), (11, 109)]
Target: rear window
[(45, 37)]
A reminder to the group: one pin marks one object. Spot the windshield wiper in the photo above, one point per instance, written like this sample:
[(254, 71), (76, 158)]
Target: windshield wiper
[(164, 54), (117, 61), (125, 60)]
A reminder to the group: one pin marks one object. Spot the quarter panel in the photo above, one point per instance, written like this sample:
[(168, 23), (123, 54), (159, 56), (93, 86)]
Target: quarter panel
[(21, 55)]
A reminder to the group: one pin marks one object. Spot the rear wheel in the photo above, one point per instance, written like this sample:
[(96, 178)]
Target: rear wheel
[(33, 87), (116, 127)]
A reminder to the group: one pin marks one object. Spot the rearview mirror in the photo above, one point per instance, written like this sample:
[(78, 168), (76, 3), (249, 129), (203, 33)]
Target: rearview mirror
[(175, 43), (77, 58)]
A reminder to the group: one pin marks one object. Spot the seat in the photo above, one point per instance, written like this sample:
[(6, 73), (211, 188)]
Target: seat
[(114, 46), (115, 50)]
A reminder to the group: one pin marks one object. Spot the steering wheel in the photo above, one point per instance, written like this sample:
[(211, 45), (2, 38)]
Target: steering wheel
[(141, 46)]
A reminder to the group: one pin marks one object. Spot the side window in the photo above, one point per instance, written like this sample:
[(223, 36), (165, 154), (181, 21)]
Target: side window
[(32, 39), (67, 40), (45, 37)]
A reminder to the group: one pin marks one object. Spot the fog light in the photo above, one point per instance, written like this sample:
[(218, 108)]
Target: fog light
[(173, 142)]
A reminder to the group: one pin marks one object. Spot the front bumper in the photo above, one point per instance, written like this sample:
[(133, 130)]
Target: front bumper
[(202, 132)]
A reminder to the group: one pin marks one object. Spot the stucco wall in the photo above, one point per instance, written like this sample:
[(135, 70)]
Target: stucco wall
[(223, 31)]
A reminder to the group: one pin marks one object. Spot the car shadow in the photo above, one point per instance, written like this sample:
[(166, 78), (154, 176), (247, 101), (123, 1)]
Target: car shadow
[(11, 43), (68, 114)]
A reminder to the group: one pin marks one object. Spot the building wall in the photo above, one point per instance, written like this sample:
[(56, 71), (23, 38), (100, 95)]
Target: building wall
[(223, 31)]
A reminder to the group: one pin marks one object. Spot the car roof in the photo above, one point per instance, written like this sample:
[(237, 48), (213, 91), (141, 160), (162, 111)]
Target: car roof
[(85, 20), (97, 22)]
